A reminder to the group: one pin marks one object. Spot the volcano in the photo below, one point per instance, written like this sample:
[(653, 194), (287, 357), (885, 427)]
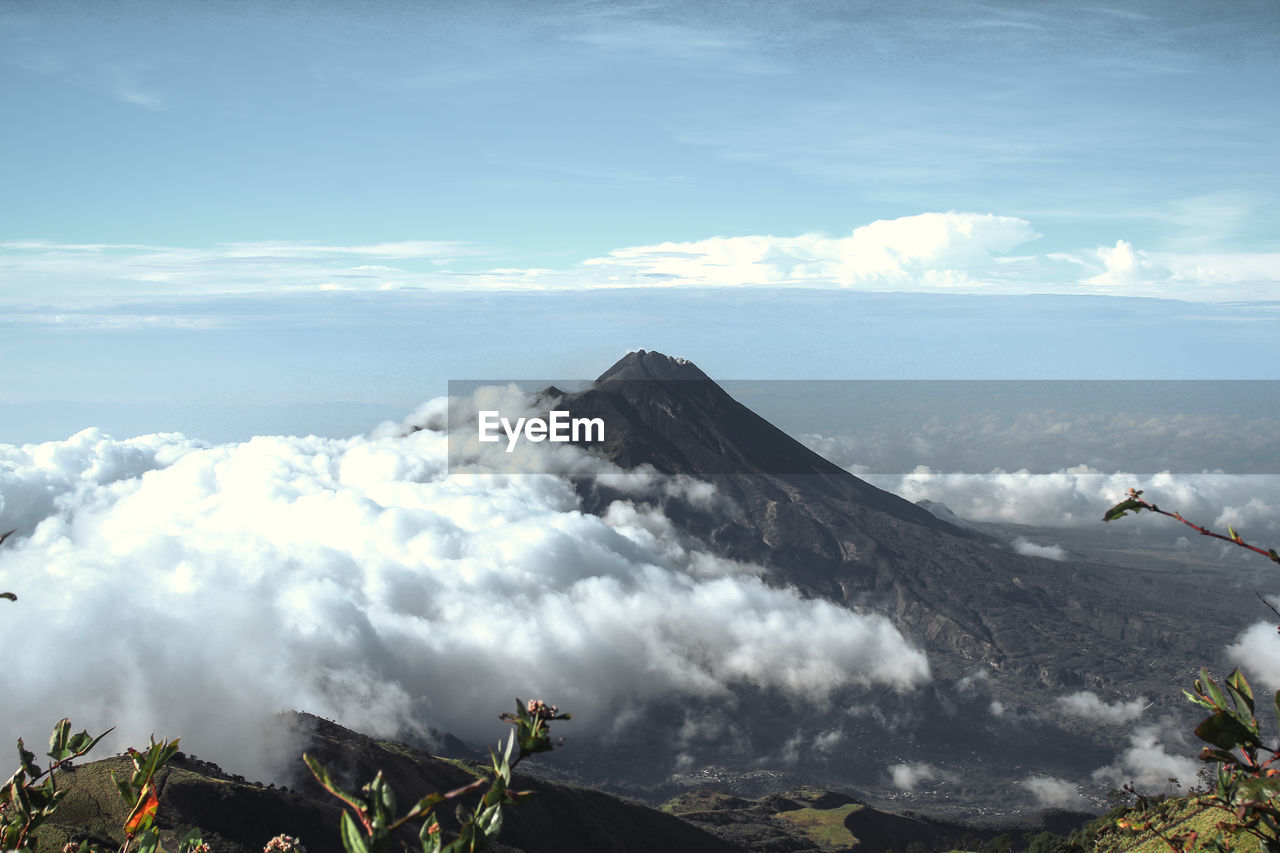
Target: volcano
[(972, 602)]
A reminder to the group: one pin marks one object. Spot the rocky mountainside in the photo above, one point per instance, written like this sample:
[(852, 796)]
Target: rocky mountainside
[(969, 599)]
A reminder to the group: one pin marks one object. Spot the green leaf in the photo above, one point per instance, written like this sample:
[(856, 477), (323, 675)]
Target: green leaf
[(1211, 688), (1123, 508), (1205, 703), (352, 837), (81, 742), (1226, 732), (18, 800), (26, 761), (149, 841), (1221, 756), (192, 839), (384, 797), (1240, 686), (58, 740), (429, 836), (127, 792), (322, 776), (13, 597), (490, 823)]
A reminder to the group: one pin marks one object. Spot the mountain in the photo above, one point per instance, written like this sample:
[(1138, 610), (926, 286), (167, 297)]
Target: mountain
[(1007, 635), (238, 816), (235, 815), (969, 598)]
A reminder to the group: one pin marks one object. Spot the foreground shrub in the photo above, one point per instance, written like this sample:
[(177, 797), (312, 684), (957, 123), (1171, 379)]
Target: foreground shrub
[(1246, 785), (369, 820)]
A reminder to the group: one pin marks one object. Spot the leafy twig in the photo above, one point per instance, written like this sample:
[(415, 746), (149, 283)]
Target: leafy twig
[(1135, 504)]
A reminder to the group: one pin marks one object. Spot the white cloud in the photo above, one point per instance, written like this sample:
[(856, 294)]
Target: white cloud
[(1087, 704), (1257, 652), (1123, 265), (954, 252), (1078, 497), (828, 741), (1148, 766), (356, 579), (1028, 548), (931, 251), (1052, 792), (909, 776)]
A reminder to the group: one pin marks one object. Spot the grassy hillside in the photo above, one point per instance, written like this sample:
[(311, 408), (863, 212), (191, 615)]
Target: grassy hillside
[(237, 816), (809, 820)]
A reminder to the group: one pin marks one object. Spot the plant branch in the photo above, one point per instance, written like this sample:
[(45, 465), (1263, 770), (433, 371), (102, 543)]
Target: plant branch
[(1134, 503)]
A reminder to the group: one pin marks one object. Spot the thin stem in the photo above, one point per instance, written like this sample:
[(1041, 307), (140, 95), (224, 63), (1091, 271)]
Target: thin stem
[(1270, 554)]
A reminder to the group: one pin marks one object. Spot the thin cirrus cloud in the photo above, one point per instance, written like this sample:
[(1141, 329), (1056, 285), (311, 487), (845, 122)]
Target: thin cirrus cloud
[(929, 252)]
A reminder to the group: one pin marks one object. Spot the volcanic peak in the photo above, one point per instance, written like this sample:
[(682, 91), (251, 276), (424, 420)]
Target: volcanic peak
[(654, 367)]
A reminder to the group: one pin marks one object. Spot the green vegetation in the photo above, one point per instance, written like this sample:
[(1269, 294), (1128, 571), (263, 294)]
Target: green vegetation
[(30, 797), (824, 827), (369, 821), (1245, 797)]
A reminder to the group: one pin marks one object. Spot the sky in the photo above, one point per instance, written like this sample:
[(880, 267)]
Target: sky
[(226, 218)]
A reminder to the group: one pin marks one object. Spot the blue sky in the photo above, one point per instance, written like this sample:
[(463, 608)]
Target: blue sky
[(222, 216)]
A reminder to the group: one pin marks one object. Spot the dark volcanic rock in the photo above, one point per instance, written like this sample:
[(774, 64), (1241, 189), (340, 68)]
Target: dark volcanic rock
[(969, 599)]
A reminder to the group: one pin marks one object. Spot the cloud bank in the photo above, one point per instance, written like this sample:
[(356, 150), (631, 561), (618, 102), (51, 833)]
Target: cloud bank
[(166, 586), (1078, 497), (1257, 652), (928, 251), (948, 252)]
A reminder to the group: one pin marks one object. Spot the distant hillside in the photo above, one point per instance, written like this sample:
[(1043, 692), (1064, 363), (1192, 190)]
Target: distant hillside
[(809, 820), (238, 816)]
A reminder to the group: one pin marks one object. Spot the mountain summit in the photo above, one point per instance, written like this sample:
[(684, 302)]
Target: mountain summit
[(654, 367), (966, 596)]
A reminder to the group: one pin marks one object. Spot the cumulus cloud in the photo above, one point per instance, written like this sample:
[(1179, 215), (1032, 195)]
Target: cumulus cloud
[(931, 251), (1078, 497), (1148, 766), (1054, 793), (189, 589), (1087, 704), (1028, 548), (908, 776), (1257, 652), (1123, 265)]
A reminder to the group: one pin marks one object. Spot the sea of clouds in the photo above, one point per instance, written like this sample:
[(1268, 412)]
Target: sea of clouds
[(173, 586), (170, 586)]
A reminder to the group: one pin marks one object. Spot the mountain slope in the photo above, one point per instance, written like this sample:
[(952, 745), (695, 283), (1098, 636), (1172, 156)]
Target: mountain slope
[(968, 598), (240, 817)]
